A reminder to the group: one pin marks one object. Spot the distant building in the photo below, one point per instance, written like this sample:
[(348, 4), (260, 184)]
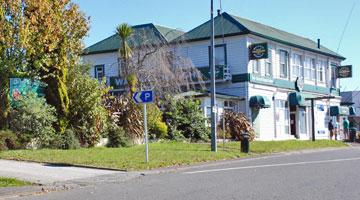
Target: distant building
[(262, 71)]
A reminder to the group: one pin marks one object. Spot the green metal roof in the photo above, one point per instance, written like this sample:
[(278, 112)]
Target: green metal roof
[(145, 34), (229, 25)]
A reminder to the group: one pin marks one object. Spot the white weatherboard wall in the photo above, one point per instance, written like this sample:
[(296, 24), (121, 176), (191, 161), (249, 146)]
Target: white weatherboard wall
[(109, 60), (236, 48)]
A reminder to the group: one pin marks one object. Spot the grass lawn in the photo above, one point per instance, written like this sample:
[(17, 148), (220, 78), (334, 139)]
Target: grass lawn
[(160, 154), (11, 182)]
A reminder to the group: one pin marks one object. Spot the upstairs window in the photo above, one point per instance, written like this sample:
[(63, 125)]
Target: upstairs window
[(298, 68), (321, 71), (99, 72), (333, 75), (256, 66), (268, 64), (284, 64), (310, 69), (220, 55)]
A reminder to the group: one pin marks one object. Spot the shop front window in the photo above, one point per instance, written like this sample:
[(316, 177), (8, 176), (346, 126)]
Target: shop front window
[(302, 120), (282, 117)]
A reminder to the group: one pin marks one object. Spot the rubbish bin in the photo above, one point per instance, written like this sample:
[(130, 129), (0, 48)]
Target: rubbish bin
[(352, 134), (245, 143)]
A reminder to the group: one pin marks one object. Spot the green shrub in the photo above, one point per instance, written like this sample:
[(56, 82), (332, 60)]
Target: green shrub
[(117, 137), (32, 120), (87, 113), (8, 140), (160, 130), (68, 140), (157, 128), (186, 116)]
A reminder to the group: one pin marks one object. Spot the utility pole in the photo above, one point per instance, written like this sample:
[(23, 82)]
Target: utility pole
[(213, 95)]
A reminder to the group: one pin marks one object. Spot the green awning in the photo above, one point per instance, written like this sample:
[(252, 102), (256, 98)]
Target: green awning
[(352, 110), (259, 101), (297, 99), (339, 110)]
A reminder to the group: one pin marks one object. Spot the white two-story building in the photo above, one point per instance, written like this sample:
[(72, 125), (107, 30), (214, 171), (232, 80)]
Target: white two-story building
[(271, 91)]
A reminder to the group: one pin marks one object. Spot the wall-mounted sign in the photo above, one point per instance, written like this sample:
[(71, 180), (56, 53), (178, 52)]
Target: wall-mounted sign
[(258, 51), (117, 83), (299, 84), (344, 71)]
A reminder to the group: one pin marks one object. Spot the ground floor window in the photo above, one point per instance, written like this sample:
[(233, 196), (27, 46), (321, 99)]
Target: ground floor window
[(302, 120), (282, 117), (230, 106)]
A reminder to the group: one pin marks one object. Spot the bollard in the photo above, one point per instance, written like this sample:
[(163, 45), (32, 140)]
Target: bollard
[(245, 145)]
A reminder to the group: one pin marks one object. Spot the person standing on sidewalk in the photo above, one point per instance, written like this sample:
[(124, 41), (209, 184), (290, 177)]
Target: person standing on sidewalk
[(331, 129), (346, 128)]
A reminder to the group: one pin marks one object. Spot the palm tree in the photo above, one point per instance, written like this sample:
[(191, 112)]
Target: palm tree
[(124, 31)]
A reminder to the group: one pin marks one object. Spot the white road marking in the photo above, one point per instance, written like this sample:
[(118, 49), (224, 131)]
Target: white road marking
[(272, 165)]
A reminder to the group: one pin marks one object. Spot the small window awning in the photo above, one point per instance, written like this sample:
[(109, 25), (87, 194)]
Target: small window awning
[(259, 101), (352, 110), (339, 110), (297, 99)]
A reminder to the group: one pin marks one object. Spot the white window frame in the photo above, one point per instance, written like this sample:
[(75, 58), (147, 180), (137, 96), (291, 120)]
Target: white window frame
[(283, 64), (269, 64), (313, 69), (310, 68), (333, 81), (257, 69), (283, 125), (298, 65), (96, 72), (321, 71)]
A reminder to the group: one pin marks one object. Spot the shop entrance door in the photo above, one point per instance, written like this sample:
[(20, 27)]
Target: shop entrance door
[(293, 124)]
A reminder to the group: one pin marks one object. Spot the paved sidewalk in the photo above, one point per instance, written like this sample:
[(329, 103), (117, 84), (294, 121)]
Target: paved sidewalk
[(47, 174)]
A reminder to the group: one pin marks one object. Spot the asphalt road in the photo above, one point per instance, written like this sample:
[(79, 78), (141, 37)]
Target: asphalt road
[(327, 174)]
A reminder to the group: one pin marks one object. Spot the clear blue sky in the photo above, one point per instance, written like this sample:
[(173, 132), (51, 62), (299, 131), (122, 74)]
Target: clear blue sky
[(313, 19)]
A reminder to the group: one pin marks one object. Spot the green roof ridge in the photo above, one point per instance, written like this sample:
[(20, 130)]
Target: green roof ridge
[(156, 35)]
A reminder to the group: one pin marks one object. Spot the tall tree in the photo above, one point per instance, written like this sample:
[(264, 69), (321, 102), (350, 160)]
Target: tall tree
[(55, 30), (11, 51), (40, 39)]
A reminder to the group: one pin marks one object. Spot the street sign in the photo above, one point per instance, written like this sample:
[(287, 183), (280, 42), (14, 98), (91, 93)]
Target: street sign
[(144, 96)]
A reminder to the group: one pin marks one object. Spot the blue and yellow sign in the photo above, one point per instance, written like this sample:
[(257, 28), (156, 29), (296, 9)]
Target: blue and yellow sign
[(258, 51)]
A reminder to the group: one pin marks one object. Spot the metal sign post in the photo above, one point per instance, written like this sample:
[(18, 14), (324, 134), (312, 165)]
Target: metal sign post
[(146, 135), (145, 97)]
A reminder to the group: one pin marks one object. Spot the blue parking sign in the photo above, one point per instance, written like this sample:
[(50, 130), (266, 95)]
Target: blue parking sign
[(144, 96)]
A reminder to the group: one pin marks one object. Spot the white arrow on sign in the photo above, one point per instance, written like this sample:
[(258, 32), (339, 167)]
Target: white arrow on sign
[(137, 97)]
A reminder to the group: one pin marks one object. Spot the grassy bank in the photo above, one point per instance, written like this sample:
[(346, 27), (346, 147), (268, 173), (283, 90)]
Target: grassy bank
[(161, 154), (11, 182)]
